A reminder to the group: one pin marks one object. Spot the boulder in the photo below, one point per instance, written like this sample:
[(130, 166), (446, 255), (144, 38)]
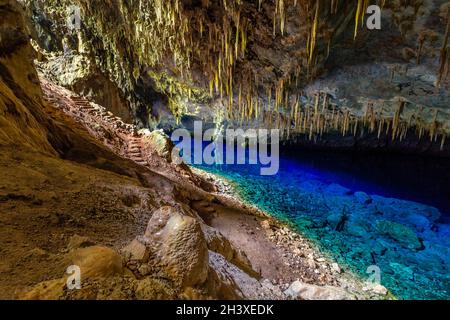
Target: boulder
[(303, 291), (337, 189), (358, 227), (265, 224), (337, 220), (430, 213), (419, 222), (97, 262), (400, 233), (218, 243), (180, 246), (137, 250), (376, 288), (160, 143), (379, 289), (226, 281), (159, 220), (363, 198), (336, 268)]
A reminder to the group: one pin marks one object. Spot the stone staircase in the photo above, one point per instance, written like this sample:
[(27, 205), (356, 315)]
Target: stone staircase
[(92, 115), (134, 151)]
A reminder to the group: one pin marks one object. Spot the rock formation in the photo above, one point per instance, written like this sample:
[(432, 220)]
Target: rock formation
[(260, 64), (87, 182)]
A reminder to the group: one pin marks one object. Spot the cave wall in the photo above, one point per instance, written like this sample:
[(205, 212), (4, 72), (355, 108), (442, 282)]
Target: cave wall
[(22, 120)]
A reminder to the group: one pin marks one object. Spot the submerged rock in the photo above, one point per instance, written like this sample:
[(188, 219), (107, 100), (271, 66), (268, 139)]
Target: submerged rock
[(400, 233), (363, 197), (337, 189), (337, 220)]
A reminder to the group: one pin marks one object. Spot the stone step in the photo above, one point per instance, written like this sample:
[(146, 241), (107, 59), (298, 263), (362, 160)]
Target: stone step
[(79, 99), (86, 107), (135, 154), (82, 103)]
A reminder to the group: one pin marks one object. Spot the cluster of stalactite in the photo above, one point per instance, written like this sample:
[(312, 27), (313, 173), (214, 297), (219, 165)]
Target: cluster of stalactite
[(211, 37), (218, 45), (320, 116)]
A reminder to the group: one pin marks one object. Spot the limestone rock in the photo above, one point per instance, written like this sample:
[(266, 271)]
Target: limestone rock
[(137, 250), (379, 289), (226, 281), (265, 224), (160, 143), (400, 233), (336, 268), (363, 197), (159, 220), (337, 220), (97, 262), (218, 243), (303, 291), (337, 189), (180, 246)]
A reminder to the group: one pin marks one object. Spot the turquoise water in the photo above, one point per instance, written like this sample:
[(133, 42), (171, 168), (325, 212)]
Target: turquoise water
[(362, 212)]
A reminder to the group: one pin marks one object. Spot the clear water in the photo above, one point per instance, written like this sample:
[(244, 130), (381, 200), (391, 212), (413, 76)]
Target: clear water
[(399, 224)]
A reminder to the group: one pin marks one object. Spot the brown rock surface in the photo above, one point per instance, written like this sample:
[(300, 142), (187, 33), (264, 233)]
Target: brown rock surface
[(182, 248)]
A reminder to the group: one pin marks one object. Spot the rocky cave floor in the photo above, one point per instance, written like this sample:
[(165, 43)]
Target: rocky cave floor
[(81, 186), (137, 232)]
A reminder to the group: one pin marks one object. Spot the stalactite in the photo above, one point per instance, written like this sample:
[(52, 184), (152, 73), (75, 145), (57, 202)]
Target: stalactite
[(433, 126), (445, 54), (222, 49), (313, 37), (396, 120)]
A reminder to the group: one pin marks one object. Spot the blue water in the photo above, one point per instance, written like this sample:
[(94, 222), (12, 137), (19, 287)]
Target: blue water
[(399, 223)]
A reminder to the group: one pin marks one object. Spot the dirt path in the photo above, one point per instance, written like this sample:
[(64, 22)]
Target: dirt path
[(246, 233)]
